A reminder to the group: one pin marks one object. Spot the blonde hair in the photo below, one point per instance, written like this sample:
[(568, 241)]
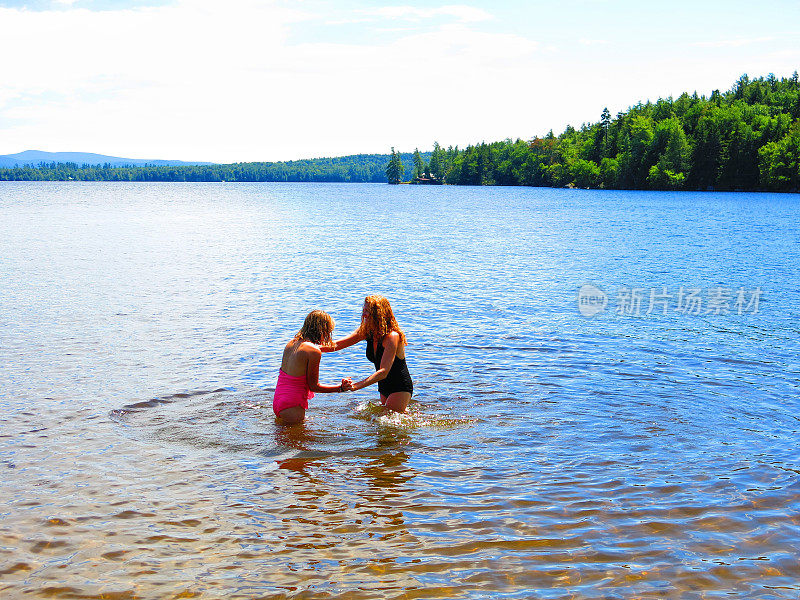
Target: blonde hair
[(378, 320), (317, 329)]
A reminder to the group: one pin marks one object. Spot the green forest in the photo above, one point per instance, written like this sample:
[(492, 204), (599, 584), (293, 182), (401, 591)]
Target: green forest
[(746, 138), (361, 168)]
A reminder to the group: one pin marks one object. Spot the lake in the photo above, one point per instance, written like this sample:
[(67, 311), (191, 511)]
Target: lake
[(606, 393)]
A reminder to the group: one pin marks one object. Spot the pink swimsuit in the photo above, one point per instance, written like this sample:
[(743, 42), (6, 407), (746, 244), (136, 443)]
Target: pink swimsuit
[(291, 391)]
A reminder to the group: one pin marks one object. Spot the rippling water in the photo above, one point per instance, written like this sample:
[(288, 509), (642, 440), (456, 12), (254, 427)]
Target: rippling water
[(546, 455)]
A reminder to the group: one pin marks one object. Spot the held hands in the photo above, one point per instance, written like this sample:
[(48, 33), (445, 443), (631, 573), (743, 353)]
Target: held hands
[(347, 385)]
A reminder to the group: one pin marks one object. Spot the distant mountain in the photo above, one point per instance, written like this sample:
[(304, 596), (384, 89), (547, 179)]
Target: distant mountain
[(33, 158)]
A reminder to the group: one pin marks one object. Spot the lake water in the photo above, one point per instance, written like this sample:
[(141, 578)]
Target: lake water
[(647, 451)]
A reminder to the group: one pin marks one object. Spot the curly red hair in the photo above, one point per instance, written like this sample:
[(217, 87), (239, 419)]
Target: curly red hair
[(377, 319)]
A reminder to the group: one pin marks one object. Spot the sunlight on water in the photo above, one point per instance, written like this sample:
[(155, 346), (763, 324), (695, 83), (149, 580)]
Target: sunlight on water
[(545, 454)]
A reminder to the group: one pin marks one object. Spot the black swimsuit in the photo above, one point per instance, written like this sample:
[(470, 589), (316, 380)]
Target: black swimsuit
[(398, 379)]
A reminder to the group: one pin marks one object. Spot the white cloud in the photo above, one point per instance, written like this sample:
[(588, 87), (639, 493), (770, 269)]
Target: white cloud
[(732, 43), (246, 80), (149, 79), (466, 14), (207, 81), (412, 14)]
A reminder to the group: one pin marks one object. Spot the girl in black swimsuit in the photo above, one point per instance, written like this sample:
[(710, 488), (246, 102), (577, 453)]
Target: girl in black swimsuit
[(386, 349), (398, 379)]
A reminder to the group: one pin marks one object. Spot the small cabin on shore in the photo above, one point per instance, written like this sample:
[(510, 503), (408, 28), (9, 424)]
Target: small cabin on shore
[(426, 181)]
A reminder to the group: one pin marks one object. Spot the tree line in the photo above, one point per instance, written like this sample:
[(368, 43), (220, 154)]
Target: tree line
[(746, 138), (361, 168)]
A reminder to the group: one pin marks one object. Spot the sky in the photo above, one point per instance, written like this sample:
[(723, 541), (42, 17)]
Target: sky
[(248, 80)]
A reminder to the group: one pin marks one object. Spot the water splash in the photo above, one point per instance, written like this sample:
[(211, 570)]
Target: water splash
[(414, 418)]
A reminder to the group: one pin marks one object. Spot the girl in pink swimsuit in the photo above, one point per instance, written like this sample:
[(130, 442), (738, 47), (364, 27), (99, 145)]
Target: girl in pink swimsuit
[(298, 378)]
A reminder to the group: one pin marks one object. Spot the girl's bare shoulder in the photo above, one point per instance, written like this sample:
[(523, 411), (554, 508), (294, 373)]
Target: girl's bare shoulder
[(309, 348)]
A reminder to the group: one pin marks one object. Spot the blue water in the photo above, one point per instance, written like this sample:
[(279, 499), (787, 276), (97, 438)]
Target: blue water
[(642, 452)]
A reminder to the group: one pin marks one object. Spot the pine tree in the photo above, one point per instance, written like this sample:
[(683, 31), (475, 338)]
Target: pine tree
[(437, 163), (605, 122), (419, 166), (395, 170)]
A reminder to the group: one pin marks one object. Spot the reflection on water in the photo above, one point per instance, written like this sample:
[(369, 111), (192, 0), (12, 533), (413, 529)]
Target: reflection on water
[(544, 455)]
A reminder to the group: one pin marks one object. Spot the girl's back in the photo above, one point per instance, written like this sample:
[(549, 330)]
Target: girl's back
[(295, 358)]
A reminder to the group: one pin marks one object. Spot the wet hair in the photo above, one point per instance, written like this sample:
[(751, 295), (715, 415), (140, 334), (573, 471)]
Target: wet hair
[(377, 320), (317, 328)]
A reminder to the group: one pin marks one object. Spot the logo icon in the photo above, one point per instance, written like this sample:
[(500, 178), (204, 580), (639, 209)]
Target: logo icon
[(591, 300)]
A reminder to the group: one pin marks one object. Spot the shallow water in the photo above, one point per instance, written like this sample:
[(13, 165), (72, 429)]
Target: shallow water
[(546, 454)]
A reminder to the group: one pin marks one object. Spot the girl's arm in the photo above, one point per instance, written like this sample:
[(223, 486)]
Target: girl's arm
[(312, 375), (390, 343), (345, 342)]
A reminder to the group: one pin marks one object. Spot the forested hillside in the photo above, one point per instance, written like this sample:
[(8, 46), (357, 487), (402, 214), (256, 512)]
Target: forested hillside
[(364, 168), (747, 138)]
